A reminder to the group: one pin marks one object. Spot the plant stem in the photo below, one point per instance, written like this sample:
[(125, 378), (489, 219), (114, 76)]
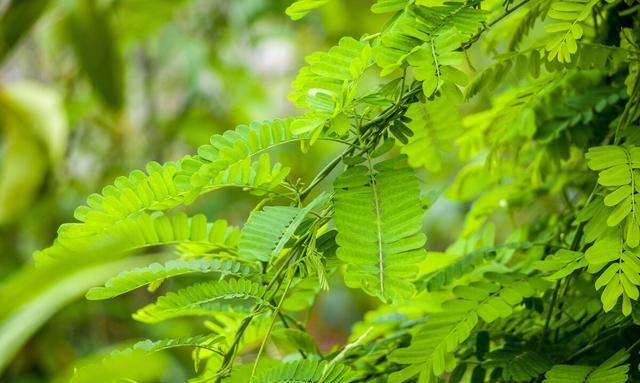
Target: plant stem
[(574, 247), (322, 175), (230, 355), (547, 322), (475, 37), (273, 321)]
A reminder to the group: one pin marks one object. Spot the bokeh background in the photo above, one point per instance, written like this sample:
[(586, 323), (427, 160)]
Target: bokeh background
[(90, 90)]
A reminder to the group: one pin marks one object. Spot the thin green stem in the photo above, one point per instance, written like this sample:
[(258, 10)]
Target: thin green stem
[(273, 321), (575, 244), (547, 322), (321, 176), (475, 37)]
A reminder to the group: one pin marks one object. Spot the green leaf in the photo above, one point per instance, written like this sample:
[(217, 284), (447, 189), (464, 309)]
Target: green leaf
[(435, 125), (149, 346), (306, 125), (567, 30), (341, 124), (17, 20), (561, 264), (379, 236), (33, 143), (444, 330), (301, 8), (204, 299), (36, 294), (418, 28), (518, 364), (191, 234), (307, 371), (610, 371), (603, 157), (618, 173), (226, 162), (267, 231), (328, 84), (135, 278), (96, 49), (617, 196), (388, 6)]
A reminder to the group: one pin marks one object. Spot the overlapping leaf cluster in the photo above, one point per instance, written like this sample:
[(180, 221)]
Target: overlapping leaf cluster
[(512, 306)]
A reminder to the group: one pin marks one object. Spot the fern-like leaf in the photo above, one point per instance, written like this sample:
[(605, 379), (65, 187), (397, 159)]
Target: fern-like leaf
[(537, 11), (615, 249), (429, 353), (511, 116), (307, 371), (435, 125), (619, 172), (227, 161), (378, 218), (490, 77), (144, 230), (232, 152), (613, 370), (207, 298), (154, 189), (621, 275), (268, 231), (135, 278), (327, 85), (561, 264), (301, 8), (518, 364), (569, 14), (463, 266), (434, 33), (149, 346), (388, 6)]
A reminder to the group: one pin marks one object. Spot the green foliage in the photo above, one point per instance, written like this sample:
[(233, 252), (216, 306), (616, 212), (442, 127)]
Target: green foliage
[(227, 161), (35, 139), (328, 86), (204, 298), (561, 264), (144, 230), (611, 370), (489, 300), (537, 10), (156, 273), (148, 346), (617, 172), (90, 27), (428, 34), (306, 371), (267, 231), (51, 287), (535, 144), (518, 364), (569, 16), (380, 258), (16, 22), (387, 6), (615, 249), (301, 8), (434, 125)]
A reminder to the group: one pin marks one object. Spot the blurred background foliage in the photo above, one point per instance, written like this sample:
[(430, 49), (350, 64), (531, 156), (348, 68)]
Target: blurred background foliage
[(93, 89)]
